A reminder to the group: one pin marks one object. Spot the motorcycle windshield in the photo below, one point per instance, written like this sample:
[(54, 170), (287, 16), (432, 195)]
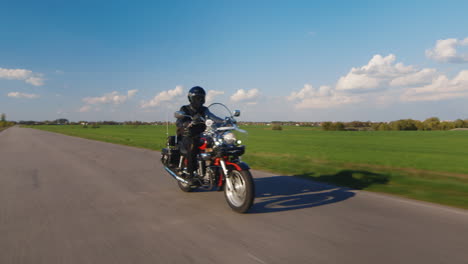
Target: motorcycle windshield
[(222, 118), (219, 112)]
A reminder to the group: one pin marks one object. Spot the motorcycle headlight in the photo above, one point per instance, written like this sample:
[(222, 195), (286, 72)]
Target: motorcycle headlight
[(229, 138)]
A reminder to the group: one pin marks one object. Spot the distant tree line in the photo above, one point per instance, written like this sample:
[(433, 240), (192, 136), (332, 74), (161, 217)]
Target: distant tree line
[(286, 123), (333, 126), (63, 121), (432, 123)]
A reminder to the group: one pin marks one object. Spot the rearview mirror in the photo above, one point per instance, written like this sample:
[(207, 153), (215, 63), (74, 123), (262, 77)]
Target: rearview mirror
[(236, 113), (179, 114)]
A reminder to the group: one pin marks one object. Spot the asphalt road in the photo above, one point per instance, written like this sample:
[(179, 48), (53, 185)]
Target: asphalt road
[(72, 200)]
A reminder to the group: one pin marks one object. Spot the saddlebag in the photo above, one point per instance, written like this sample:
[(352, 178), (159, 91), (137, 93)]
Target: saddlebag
[(173, 141), (170, 157)]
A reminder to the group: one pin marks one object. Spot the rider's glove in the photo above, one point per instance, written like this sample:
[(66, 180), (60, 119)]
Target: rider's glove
[(187, 131), (197, 119)]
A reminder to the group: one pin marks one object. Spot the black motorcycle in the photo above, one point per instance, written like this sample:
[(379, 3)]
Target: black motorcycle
[(219, 164)]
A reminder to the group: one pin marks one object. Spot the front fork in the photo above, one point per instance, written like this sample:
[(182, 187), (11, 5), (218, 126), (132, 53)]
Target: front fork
[(226, 173)]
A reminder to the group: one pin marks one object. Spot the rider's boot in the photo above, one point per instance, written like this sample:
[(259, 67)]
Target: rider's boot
[(187, 176)]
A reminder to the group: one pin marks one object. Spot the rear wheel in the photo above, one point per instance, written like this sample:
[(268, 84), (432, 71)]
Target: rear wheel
[(241, 194)]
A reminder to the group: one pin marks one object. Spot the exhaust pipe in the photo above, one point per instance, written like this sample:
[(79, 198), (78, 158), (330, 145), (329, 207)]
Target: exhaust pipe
[(175, 175)]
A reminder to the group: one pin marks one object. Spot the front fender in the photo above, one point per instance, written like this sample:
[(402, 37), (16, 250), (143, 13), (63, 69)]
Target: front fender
[(238, 166)]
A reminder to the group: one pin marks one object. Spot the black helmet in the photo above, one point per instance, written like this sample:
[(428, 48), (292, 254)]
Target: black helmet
[(196, 96)]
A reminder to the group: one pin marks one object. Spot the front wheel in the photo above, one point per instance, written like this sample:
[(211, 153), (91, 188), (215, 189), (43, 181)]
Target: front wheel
[(242, 192)]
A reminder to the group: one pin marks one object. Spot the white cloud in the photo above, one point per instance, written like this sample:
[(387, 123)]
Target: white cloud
[(323, 97), (383, 82), (22, 95), (383, 72), (132, 93), (245, 95), (61, 112), (328, 102), (110, 98), (28, 76), (354, 81), (371, 81), (163, 96), (85, 108), (384, 67), (35, 80), (212, 94), (309, 91), (424, 76), (441, 88), (445, 50), (303, 93), (114, 98)]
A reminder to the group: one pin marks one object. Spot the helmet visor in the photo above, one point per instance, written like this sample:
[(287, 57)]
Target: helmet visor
[(197, 100)]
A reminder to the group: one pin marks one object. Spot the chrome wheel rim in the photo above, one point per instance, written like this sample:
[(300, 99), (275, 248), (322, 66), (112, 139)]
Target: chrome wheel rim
[(237, 194)]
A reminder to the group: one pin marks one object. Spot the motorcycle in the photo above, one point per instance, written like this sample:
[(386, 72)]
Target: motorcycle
[(219, 164)]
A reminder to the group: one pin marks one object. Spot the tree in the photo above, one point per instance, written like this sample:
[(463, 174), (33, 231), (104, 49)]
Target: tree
[(459, 123), (395, 125), (375, 126), (447, 125), (404, 124), (62, 121), (383, 127), (419, 125), (276, 127), (431, 123), (338, 126), (333, 126), (327, 126), (3, 117)]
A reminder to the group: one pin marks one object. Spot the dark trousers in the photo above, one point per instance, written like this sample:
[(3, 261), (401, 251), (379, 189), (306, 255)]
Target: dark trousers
[(189, 148)]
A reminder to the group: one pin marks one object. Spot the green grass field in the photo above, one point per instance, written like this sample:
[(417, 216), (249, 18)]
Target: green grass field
[(425, 165)]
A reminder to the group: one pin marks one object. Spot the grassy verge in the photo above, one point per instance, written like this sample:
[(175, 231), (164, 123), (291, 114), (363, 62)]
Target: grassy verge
[(432, 186), (423, 165)]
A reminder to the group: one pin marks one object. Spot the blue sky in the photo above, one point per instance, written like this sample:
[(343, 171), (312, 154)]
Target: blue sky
[(273, 60)]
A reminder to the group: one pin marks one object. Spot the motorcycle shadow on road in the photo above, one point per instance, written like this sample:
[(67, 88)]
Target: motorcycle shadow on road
[(283, 193)]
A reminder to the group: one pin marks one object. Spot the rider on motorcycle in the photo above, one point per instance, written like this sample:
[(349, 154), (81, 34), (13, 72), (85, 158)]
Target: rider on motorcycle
[(211, 153), (190, 131)]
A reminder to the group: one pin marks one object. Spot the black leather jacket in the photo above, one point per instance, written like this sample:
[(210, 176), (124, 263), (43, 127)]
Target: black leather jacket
[(182, 123)]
